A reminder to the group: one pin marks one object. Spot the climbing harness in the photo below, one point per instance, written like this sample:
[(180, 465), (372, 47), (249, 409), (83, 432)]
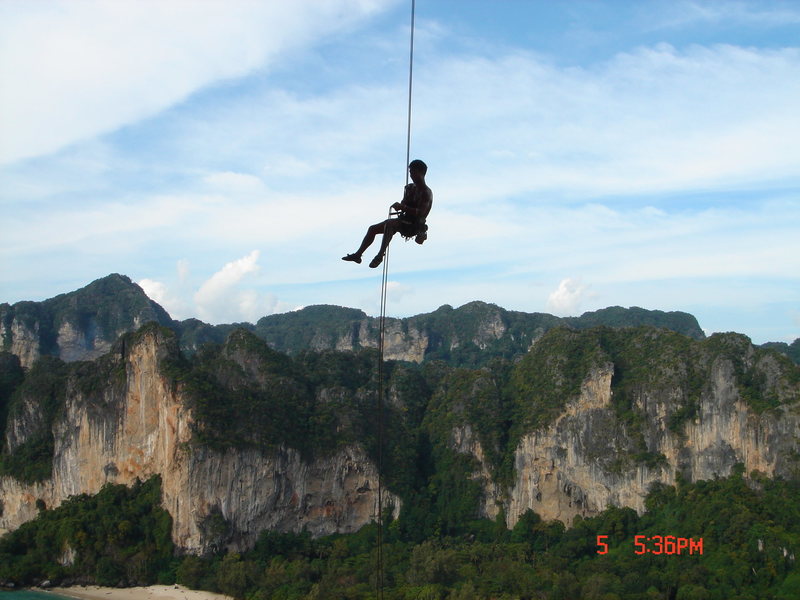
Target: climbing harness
[(382, 326)]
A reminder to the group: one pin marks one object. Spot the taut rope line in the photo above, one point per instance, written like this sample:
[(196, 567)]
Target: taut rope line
[(410, 83), (382, 324)]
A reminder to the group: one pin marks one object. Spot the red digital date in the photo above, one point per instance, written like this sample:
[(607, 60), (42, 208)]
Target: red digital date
[(657, 544)]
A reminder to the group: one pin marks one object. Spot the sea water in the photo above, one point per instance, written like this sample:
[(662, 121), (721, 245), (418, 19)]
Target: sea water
[(30, 595)]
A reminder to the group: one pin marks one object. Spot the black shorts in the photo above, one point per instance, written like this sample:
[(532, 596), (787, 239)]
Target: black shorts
[(411, 228)]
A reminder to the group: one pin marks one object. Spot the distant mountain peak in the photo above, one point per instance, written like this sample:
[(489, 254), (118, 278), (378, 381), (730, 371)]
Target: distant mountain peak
[(81, 324), (78, 325)]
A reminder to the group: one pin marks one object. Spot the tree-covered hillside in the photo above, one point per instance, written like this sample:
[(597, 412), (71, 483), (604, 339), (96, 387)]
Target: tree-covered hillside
[(120, 536), (730, 539), (468, 336), (245, 394), (107, 307)]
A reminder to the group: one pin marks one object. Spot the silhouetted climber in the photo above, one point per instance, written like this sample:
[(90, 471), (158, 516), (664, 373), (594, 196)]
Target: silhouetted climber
[(412, 212)]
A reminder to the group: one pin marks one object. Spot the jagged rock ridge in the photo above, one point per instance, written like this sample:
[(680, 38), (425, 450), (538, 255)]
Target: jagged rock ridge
[(82, 325), (79, 325), (247, 438)]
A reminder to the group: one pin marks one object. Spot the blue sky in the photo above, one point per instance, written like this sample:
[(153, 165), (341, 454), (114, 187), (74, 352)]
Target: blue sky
[(225, 155)]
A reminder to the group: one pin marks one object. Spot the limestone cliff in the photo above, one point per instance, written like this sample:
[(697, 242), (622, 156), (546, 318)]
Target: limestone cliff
[(246, 438), (141, 424), (593, 455)]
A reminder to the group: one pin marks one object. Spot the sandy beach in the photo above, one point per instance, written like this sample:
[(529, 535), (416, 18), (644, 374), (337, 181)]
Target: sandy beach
[(153, 592)]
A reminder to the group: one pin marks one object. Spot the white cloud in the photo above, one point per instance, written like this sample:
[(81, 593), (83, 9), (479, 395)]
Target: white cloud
[(73, 70), (567, 298), (221, 299), (218, 295), (623, 171), (159, 292), (155, 290), (396, 291), (687, 12), (650, 120), (229, 296), (290, 166), (114, 225)]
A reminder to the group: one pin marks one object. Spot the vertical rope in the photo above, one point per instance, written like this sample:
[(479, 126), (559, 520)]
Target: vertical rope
[(382, 324), (410, 82), (381, 338)]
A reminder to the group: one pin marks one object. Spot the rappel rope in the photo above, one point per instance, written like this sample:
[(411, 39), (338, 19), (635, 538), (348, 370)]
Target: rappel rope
[(382, 325)]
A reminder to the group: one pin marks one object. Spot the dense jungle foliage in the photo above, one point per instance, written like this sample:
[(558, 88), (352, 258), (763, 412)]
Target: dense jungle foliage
[(745, 536), (461, 337), (119, 536), (114, 304), (42, 390), (247, 395)]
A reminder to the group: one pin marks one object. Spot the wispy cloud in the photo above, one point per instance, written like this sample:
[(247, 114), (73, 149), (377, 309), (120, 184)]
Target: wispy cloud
[(229, 295), (677, 14), (651, 164), (73, 70), (651, 120)]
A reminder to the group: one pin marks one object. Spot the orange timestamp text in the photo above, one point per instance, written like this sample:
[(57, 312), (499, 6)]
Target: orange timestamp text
[(657, 544)]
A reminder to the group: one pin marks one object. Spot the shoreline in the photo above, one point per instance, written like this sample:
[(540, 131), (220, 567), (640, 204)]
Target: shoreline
[(152, 592)]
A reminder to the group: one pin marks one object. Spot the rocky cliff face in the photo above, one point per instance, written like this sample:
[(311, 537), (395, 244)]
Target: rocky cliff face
[(408, 345), (23, 339), (588, 458), (454, 335), (587, 418), (83, 325), (141, 426), (80, 325)]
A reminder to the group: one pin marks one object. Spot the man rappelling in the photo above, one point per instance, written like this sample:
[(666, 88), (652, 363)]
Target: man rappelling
[(411, 215)]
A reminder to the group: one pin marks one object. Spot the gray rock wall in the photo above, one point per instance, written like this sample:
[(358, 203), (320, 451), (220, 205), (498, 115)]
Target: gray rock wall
[(144, 429)]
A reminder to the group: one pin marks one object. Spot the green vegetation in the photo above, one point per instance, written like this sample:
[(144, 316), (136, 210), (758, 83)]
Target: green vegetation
[(28, 314), (750, 531), (312, 327), (476, 333), (35, 398), (551, 374), (504, 401), (749, 527), (245, 394), (617, 316), (194, 334), (102, 309), (35, 403), (121, 536), (791, 350), (468, 336), (11, 376)]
